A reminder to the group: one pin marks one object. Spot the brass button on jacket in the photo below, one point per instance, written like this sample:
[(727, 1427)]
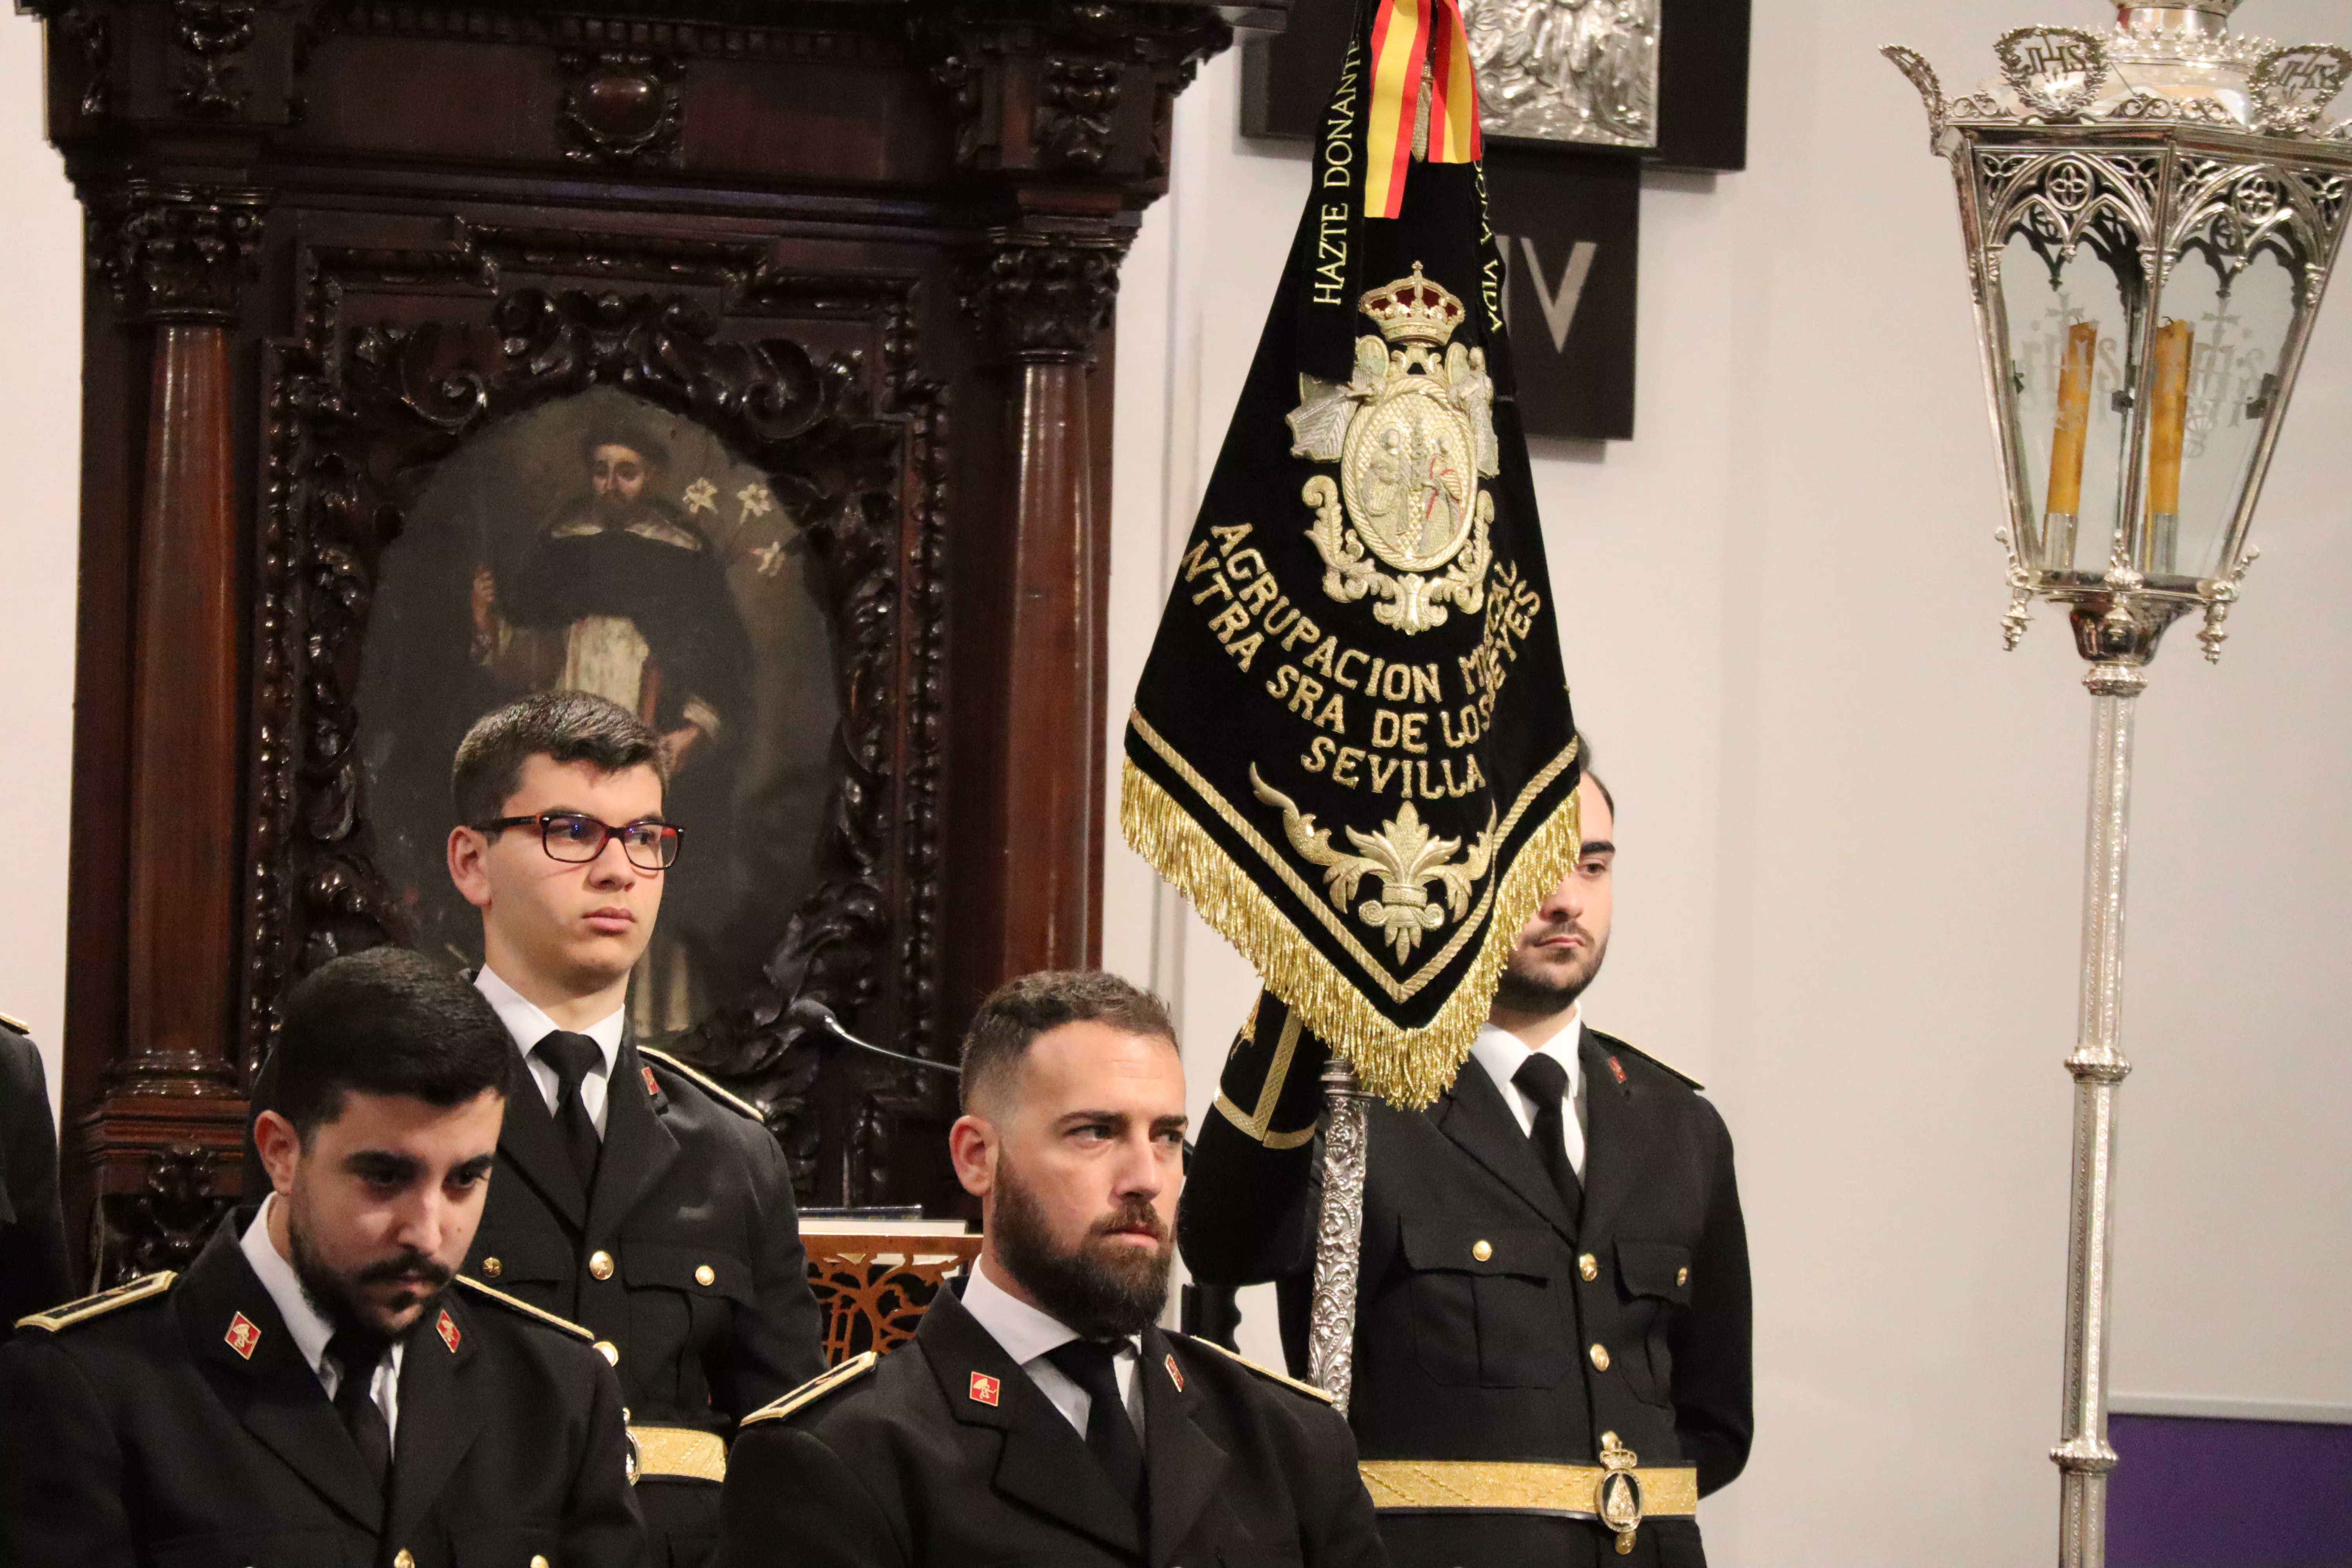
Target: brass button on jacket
[(1600, 1354), (1482, 1250), (610, 1351), (1588, 1267), (404, 1558), (492, 1268), (1682, 1275), (706, 1275), (600, 1265)]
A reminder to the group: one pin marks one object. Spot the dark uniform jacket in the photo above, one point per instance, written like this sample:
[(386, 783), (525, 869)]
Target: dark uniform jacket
[(33, 1268), (910, 1463), (686, 1263), (1492, 1326), (133, 1433)]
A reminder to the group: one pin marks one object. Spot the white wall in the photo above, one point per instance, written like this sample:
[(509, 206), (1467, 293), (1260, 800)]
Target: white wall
[(1852, 827), (40, 414)]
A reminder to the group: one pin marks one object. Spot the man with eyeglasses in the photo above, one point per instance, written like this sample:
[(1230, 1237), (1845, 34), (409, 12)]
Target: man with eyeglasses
[(634, 1195)]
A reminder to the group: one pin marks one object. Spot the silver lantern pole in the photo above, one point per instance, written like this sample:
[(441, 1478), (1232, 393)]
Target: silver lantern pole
[(2150, 215)]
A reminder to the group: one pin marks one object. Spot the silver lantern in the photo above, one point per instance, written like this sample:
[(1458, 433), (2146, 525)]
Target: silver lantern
[(2150, 215)]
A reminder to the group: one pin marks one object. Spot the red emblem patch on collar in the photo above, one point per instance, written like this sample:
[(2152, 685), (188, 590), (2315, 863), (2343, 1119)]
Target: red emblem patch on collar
[(984, 1389), (653, 1085), (242, 1335), (448, 1327), (1174, 1376), (1615, 1066)]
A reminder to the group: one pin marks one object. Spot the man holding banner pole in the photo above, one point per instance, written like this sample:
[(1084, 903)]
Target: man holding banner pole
[(1552, 1260), (1353, 751)]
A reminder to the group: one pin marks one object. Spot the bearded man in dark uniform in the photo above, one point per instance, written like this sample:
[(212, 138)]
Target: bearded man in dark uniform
[(320, 1386), (1554, 1272), (1039, 1417)]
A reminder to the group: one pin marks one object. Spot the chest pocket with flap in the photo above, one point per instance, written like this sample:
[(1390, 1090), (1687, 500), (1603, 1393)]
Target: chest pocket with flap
[(1656, 1275), (1487, 1309)]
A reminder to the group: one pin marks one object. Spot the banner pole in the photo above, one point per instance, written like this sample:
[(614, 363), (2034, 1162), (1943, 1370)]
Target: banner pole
[(1339, 1236)]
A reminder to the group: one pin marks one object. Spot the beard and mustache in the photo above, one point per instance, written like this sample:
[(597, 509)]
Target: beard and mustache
[(1525, 987), (340, 1295), (1100, 1289)]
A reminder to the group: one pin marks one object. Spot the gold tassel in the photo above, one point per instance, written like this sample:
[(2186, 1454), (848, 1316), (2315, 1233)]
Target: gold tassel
[(1407, 1068)]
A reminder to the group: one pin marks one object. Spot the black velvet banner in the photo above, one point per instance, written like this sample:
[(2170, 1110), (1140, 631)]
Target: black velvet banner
[(1352, 747)]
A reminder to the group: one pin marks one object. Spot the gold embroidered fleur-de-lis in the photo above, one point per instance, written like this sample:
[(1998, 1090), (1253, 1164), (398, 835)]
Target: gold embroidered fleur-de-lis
[(1406, 856)]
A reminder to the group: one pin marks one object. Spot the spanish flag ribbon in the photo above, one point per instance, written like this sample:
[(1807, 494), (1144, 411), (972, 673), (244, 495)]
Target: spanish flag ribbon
[(1454, 135), (1404, 34)]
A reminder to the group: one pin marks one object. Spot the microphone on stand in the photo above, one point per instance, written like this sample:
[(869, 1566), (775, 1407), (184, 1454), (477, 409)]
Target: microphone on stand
[(813, 1015)]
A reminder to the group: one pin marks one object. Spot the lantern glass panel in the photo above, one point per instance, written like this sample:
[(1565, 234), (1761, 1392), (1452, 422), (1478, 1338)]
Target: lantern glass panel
[(2069, 371), (2233, 323)]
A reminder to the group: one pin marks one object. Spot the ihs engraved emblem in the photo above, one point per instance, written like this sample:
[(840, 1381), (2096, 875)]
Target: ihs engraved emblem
[(1413, 432)]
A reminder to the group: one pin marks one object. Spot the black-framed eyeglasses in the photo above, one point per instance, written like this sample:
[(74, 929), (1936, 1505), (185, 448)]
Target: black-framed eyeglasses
[(577, 838)]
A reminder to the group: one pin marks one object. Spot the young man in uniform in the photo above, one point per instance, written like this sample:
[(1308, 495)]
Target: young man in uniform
[(1553, 1284), (634, 1194), (1040, 1418), (313, 1390)]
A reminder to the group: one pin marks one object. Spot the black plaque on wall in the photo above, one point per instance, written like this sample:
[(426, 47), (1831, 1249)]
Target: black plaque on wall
[(1568, 224), (1568, 213)]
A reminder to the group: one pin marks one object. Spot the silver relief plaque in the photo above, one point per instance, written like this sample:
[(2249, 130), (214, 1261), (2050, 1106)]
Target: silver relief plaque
[(1567, 71)]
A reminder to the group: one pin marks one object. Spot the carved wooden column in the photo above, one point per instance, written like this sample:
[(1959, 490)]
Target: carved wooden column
[(1043, 300), (1071, 119), (175, 257)]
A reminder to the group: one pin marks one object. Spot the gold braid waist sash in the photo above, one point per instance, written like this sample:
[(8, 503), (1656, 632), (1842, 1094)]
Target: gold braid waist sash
[(1616, 1493), (685, 1453)]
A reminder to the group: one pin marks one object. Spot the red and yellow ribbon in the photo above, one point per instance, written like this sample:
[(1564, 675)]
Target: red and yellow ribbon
[(1454, 136), (1403, 33)]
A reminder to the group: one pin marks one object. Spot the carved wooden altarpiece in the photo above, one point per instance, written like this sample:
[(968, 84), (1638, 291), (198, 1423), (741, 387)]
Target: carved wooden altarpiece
[(870, 246)]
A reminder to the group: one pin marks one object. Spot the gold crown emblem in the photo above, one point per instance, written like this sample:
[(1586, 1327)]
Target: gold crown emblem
[(1414, 310)]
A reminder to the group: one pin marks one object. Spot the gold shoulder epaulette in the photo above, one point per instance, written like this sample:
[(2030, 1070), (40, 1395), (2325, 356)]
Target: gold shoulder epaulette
[(815, 1388), (709, 1084), (1307, 1389), (527, 1309), (16, 1023), (98, 1305)]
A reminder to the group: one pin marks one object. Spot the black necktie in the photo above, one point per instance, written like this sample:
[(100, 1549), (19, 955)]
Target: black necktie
[(356, 1354), (1110, 1435), (1543, 1080), (572, 1055)]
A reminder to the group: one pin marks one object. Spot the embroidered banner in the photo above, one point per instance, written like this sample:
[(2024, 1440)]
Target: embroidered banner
[(1352, 747)]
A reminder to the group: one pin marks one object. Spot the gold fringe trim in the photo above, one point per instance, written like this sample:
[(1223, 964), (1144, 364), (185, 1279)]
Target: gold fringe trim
[(1409, 1068)]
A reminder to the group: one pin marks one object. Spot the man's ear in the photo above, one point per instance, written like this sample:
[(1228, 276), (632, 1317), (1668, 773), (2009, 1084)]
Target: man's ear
[(467, 848), (280, 1147), (971, 1145)]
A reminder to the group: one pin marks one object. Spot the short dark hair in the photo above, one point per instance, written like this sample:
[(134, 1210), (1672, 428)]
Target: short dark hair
[(386, 1021), (1585, 759), (1020, 1010), (562, 726)]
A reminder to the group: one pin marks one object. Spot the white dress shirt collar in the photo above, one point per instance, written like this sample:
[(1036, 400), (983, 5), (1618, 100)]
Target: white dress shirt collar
[(1502, 1054), (311, 1330), (1027, 1334), (529, 1025)]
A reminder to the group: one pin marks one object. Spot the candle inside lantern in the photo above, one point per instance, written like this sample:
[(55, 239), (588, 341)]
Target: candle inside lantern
[(2067, 442), (2167, 429)]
